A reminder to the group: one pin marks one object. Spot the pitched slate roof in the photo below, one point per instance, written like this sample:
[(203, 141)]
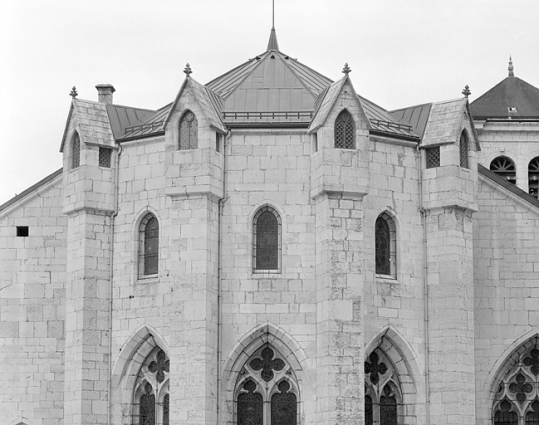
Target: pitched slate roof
[(511, 92), (416, 116)]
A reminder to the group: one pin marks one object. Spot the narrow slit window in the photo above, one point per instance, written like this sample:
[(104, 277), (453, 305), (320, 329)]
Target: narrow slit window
[(267, 240), (188, 131), (463, 148), (75, 151), (385, 246), (149, 246)]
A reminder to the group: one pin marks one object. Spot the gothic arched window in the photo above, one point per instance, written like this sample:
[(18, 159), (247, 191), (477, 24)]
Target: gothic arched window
[(345, 131), (266, 240), (75, 151), (517, 398), (383, 396), (385, 245), (267, 391), (149, 246), (463, 149), (505, 168), (188, 131), (151, 394), (533, 177)]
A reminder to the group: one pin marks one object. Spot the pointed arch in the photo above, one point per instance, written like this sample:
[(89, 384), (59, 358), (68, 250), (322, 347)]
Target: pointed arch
[(512, 389), (188, 131), (345, 130), (284, 346), (404, 359), (464, 149), (75, 150)]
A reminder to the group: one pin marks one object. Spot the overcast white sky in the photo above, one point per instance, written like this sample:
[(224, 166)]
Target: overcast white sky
[(401, 53)]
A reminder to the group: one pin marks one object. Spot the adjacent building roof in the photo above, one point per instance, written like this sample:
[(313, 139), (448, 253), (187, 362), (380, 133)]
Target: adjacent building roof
[(416, 116), (510, 98)]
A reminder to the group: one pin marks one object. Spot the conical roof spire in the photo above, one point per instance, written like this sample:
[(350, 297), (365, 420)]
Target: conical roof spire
[(272, 43), (511, 67)]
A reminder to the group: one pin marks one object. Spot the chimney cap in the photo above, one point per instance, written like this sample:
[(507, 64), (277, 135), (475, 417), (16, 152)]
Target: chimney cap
[(100, 87)]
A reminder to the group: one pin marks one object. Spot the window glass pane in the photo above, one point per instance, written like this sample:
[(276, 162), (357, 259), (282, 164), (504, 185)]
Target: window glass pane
[(250, 405), (344, 131), (283, 406), (433, 157), (147, 407), (104, 157), (151, 246), (368, 411), (388, 407), (188, 131), (503, 416), (75, 152), (267, 241), (165, 409), (463, 150), (383, 247)]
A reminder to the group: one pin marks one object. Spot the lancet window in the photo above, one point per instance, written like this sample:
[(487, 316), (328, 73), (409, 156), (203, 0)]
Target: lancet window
[(267, 240), (463, 148), (504, 167), (383, 396), (385, 245), (188, 131), (75, 151), (151, 393), (267, 391), (149, 246), (517, 400), (533, 177), (345, 131)]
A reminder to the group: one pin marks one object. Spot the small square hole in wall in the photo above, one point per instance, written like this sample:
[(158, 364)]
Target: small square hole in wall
[(22, 231)]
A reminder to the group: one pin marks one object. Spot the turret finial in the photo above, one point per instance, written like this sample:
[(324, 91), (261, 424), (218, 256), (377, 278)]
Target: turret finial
[(73, 93), (466, 92), (511, 67), (187, 70), (346, 70)]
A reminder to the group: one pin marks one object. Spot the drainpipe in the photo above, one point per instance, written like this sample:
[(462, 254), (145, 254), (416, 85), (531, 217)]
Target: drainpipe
[(219, 274), (423, 213), (111, 275)]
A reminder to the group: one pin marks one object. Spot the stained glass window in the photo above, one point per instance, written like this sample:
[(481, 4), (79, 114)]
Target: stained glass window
[(388, 407), (147, 407), (382, 390), (463, 150), (368, 411), (283, 406), (149, 246), (385, 245), (516, 400), (267, 246), (505, 168), (533, 177), (250, 405), (75, 151), (188, 131), (268, 390), (151, 397), (345, 131)]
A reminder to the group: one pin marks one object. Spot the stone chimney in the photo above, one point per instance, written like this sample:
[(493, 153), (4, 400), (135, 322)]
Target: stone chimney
[(105, 93)]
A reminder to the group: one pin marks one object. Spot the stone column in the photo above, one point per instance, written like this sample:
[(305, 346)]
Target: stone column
[(339, 287)]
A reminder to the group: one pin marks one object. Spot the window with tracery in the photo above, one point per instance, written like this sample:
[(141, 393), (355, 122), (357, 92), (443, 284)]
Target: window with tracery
[(266, 391), (151, 393), (504, 167), (385, 245), (463, 148), (517, 400), (345, 131), (75, 151), (188, 131), (149, 246), (533, 177), (267, 240), (383, 397)]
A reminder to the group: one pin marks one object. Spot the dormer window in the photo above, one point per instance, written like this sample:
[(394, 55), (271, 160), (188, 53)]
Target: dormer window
[(344, 131), (188, 131), (512, 110)]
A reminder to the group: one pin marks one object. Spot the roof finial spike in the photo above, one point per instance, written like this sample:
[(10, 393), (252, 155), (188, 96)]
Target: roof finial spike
[(273, 15), (73, 92), (511, 67), (187, 70), (346, 70), (466, 92)]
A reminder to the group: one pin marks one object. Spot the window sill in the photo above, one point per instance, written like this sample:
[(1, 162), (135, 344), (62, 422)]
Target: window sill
[(265, 273), (386, 278), (151, 278)]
